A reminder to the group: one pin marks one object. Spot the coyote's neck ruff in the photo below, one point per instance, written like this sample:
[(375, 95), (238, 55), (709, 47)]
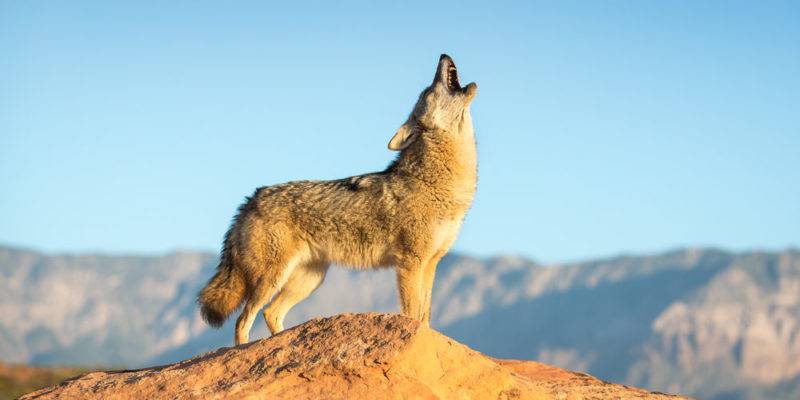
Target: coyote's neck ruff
[(445, 161), (284, 237)]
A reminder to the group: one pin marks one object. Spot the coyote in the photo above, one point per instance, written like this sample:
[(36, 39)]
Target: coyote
[(284, 237)]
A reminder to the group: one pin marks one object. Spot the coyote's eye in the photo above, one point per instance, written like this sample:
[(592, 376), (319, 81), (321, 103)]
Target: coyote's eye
[(452, 79)]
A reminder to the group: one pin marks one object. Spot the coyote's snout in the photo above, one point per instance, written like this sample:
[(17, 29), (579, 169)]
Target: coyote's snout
[(284, 237)]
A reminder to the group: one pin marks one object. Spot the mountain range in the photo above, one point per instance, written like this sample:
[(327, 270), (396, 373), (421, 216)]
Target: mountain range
[(704, 322)]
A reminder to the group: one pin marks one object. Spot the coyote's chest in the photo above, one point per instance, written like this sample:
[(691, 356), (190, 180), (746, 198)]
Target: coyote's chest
[(445, 233), (446, 227)]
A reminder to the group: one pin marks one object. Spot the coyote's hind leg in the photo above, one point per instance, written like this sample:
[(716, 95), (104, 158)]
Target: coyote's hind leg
[(263, 289), (305, 278), (257, 299)]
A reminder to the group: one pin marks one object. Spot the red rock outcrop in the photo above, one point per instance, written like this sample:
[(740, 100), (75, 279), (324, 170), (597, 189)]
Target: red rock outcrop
[(350, 356)]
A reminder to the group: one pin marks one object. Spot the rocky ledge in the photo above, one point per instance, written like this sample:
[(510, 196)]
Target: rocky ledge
[(348, 356)]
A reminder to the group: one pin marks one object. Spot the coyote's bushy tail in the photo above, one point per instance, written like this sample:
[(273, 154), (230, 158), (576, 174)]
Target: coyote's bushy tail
[(223, 294)]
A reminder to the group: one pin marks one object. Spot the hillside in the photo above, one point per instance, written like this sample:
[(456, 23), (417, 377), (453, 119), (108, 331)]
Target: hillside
[(16, 380), (355, 356), (704, 322)]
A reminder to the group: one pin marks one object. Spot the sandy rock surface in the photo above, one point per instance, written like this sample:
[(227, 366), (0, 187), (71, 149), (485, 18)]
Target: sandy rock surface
[(347, 356)]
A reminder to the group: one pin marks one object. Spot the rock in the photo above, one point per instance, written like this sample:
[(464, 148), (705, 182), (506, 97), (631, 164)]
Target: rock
[(347, 356)]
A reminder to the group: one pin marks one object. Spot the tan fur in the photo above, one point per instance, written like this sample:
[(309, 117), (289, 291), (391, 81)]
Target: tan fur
[(285, 236)]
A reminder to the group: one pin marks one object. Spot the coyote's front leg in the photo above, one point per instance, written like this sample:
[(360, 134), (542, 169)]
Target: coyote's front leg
[(409, 285), (428, 275)]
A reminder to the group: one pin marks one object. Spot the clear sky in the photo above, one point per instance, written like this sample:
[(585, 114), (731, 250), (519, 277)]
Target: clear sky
[(602, 127)]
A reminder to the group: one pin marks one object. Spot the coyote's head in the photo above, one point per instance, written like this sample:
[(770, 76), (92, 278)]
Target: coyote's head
[(442, 108)]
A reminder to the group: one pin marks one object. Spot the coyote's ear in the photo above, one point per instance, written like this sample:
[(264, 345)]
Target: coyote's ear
[(403, 138)]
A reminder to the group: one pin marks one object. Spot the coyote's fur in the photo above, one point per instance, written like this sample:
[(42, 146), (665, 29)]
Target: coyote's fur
[(285, 236)]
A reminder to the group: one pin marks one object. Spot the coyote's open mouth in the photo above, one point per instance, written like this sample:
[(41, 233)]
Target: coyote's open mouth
[(447, 76), (452, 78)]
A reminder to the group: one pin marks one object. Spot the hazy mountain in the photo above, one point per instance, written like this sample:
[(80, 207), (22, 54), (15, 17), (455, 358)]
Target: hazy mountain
[(704, 322)]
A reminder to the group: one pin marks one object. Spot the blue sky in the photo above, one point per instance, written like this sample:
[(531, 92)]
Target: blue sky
[(602, 127)]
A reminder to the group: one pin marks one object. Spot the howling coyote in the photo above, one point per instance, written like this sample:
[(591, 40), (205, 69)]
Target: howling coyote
[(285, 236)]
